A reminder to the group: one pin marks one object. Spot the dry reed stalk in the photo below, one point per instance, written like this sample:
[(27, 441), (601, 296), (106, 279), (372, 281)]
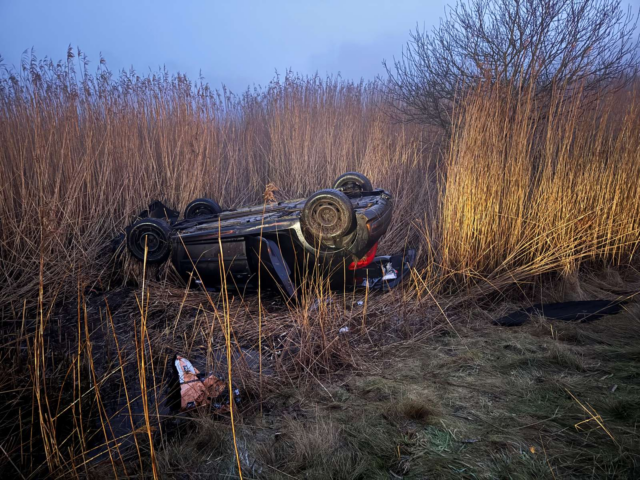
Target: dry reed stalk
[(521, 189), (530, 188)]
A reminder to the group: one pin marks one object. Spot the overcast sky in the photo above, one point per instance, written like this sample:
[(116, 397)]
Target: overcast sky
[(234, 42)]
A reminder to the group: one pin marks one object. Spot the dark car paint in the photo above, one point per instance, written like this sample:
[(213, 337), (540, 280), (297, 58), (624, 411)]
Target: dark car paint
[(271, 236)]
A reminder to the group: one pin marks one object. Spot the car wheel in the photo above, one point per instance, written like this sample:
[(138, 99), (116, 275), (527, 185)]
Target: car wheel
[(152, 233), (353, 182), (328, 214), (201, 207)]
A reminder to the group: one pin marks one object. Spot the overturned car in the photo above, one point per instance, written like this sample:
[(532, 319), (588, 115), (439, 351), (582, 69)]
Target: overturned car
[(334, 232)]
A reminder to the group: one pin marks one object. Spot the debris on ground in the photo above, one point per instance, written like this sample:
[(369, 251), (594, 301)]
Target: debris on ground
[(199, 389), (386, 271), (582, 311)]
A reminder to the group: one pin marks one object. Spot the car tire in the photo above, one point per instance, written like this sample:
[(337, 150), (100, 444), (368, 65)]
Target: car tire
[(201, 207), (155, 232), (353, 182), (328, 214)]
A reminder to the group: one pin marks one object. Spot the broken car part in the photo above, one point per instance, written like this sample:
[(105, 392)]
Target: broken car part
[(584, 311)]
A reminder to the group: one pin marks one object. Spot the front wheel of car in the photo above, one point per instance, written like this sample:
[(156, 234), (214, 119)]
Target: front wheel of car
[(328, 215), (201, 207), (151, 234)]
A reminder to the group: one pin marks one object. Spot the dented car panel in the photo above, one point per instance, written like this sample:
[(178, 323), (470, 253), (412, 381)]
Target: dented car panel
[(280, 242)]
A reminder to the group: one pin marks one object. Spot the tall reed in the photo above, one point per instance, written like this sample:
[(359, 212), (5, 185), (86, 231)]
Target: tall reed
[(530, 187), (83, 152), (521, 188)]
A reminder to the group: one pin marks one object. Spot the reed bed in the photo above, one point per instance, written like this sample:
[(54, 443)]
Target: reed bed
[(520, 190), (82, 153), (532, 187)]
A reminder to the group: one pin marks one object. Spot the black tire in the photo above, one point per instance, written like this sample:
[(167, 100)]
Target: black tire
[(201, 207), (155, 232), (353, 182), (328, 214)]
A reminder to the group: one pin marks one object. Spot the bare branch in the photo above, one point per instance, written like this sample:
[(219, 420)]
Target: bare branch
[(583, 45)]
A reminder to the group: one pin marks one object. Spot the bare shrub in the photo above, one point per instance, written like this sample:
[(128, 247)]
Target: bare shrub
[(588, 44)]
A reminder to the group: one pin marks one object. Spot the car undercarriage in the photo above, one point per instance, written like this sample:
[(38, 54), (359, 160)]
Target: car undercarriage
[(279, 245)]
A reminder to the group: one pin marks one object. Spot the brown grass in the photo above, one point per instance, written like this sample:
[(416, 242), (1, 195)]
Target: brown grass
[(531, 189), (82, 154), (521, 190)]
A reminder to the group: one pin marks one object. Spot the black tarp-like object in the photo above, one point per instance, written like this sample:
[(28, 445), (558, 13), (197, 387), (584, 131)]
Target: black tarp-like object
[(582, 311)]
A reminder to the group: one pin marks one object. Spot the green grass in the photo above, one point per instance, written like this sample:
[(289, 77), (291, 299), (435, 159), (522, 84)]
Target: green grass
[(491, 403)]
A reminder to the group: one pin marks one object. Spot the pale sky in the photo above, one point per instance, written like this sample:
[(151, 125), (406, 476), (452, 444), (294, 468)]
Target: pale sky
[(238, 43), (233, 42)]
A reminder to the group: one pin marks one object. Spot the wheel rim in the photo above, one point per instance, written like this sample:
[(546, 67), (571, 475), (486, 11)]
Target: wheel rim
[(153, 237), (199, 211), (352, 187), (327, 218)]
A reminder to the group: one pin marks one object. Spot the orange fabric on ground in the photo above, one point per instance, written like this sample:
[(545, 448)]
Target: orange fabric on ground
[(193, 391)]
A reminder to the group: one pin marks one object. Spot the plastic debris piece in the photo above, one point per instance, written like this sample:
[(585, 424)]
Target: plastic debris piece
[(390, 273), (198, 389), (386, 271), (344, 330), (582, 311)]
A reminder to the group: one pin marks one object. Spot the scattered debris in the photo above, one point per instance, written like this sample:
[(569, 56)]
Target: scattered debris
[(344, 330), (318, 302), (470, 440), (198, 389), (583, 311), (386, 271)]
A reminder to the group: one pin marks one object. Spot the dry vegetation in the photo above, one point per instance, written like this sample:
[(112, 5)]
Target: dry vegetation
[(523, 195)]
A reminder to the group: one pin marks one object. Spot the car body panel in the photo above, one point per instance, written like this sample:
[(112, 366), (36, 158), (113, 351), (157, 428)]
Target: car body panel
[(235, 245)]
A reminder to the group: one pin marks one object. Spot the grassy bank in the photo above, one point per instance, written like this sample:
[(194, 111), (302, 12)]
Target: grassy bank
[(546, 401)]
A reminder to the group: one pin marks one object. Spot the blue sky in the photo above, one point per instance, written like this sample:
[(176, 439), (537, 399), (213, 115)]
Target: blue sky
[(233, 42)]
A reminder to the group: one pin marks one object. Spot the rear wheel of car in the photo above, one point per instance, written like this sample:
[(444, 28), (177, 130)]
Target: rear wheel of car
[(328, 214), (152, 233), (353, 182), (202, 207)]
